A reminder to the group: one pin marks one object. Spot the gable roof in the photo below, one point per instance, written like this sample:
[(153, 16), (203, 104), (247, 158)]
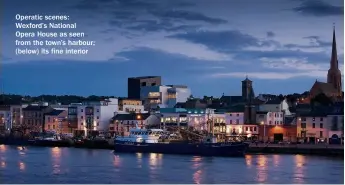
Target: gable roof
[(324, 87), (55, 112), (274, 101), (34, 108), (132, 116), (231, 99)]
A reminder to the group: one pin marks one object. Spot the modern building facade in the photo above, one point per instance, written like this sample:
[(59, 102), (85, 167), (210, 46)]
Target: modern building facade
[(155, 97), (122, 123), (92, 117), (135, 84), (130, 105)]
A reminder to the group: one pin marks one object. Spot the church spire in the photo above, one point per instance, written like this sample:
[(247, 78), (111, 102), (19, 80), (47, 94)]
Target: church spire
[(334, 58)]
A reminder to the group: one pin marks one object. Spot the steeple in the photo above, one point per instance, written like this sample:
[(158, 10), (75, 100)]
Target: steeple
[(334, 58), (334, 74)]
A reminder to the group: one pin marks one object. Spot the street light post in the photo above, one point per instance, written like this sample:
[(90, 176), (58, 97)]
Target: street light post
[(262, 123)]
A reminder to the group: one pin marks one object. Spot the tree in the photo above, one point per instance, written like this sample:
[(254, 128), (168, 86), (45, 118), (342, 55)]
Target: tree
[(281, 97)]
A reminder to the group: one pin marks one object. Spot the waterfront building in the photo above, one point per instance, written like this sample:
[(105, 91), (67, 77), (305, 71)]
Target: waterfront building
[(130, 105), (168, 96), (92, 117), (33, 117), (122, 123), (219, 124), (5, 118), (277, 133), (235, 123), (173, 117), (312, 126), (56, 121), (275, 105), (199, 119), (270, 118), (135, 83), (335, 124), (17, 115)]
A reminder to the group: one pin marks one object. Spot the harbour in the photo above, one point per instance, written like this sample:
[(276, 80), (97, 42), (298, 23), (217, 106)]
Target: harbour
[(75, 165)]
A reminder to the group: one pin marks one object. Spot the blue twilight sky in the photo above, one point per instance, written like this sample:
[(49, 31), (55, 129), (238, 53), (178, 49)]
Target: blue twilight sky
[(209, 45)]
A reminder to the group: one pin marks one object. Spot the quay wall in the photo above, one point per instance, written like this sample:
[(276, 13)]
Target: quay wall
[(326, 150)]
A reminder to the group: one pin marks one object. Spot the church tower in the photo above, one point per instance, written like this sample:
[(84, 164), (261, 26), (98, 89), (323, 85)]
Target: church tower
[(334, 74), (247, 90), (248, 97)]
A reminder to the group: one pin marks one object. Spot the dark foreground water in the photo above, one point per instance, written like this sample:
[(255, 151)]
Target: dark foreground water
[(71, 165)]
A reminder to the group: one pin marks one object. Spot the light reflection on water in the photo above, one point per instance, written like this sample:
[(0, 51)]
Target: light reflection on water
[(3, 148), (299, 169), (56, 159), (101, 166), (21, 166), (3, 164), (197, 165), (262, 168)]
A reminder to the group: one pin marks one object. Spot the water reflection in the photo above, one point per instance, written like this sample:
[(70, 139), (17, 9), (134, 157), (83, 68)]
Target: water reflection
[(262, 168), (197, 176), (21, 150), (21, 166), (117, 161), (3, 164), (2, 148), (155, 162), (276, 160), (56, 159), (197, 163), (299, 169), (249, 160), (139, 159)]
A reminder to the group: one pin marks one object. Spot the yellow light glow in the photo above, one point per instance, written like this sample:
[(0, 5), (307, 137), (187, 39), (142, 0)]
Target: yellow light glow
[(138, 116)]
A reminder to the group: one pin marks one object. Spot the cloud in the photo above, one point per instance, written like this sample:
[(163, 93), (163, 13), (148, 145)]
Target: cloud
[(226, 41), (195, 51), (269, 75), (270, 34), (188, 15), (319, 8), (283, 69)]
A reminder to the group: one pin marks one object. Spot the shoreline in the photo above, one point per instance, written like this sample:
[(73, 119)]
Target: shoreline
[(336, 152)]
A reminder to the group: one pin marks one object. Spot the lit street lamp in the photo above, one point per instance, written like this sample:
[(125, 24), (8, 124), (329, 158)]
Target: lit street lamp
[(262, 123)]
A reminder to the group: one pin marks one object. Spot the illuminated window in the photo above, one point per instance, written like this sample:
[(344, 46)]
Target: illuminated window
[(154, 94), (171, 96)]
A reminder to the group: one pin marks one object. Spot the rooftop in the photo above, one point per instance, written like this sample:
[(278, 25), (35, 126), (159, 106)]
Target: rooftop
[(55, 112), (144, 77), (34, 108), (132, 116)]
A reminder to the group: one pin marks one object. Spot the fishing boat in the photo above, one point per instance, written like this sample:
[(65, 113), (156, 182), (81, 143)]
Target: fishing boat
[(161, 141)]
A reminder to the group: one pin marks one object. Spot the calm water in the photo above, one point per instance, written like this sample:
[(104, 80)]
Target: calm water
[(70, 165)]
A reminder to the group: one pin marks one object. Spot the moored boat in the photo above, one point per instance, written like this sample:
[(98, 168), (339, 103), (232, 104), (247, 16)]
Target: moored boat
[(159, 141)]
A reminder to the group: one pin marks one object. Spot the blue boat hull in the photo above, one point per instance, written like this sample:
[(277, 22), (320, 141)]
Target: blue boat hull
[(201, 149)]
